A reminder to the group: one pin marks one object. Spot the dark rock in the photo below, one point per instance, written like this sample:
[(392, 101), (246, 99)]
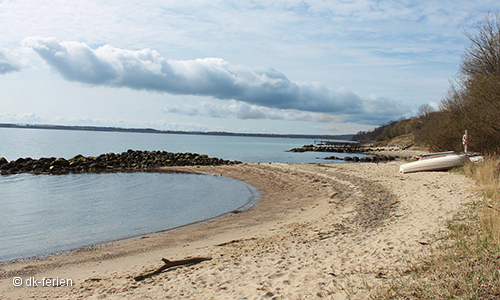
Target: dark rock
[(54, 169), (3, 161), (61, 162), (20, 161), (44, 160), (6, 166), (110, 162)]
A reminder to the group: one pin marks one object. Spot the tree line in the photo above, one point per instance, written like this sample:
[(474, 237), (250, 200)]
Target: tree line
[(472, 102)]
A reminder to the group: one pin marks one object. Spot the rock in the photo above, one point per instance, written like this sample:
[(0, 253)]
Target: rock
[(45, 160), (77, 157), (96, 166), (110, 162), (6, 166), (20, 161), (54, 169), (61, 162)]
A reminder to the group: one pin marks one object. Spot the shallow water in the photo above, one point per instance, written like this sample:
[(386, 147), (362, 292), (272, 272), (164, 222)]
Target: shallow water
[(41, 214)]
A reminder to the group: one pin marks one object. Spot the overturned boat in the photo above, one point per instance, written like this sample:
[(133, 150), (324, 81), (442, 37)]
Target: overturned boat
[(435, 162)]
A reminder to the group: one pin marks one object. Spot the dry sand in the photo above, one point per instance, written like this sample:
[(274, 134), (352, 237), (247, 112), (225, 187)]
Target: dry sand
[(320, 231)]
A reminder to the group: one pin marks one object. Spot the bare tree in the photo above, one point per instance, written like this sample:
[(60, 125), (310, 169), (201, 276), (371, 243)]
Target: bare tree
[(473, 102), (424, 111), (482, 55)]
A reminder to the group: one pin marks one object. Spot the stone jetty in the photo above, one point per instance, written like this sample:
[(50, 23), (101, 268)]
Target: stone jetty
[(129, 161), (346, 147), (338, 147)]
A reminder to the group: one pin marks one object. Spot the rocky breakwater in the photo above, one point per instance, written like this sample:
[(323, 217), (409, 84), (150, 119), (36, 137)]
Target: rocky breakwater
[(337, 147), (130, 161), (345, 147), (373, 158)]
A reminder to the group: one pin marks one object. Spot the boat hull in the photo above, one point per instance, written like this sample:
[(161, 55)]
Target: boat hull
[(434, 164)]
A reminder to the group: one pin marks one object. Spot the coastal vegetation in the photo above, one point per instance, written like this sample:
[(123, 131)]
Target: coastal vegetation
[(465, 263), (472, 103), (465, 260)]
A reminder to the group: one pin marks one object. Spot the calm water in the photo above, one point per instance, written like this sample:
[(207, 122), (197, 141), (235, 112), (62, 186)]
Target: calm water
[(45, 214), (36, 143)]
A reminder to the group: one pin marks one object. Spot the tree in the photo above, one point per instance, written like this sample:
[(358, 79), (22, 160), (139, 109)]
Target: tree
[(473, 103), (423, 112), (482, 55)]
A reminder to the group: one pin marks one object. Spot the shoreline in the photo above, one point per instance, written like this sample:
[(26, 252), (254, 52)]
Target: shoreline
[(337, 227), (252, 201)]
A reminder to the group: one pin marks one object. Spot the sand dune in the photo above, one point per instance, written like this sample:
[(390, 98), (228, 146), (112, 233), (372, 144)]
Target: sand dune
[(320, 230)]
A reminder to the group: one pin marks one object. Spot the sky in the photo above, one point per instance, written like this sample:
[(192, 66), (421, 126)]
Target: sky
[(285, 67)]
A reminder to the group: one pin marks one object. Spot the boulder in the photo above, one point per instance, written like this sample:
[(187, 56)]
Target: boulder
[(7, 166), (109, 162), (61, 162), (96, 166), (20, 161)]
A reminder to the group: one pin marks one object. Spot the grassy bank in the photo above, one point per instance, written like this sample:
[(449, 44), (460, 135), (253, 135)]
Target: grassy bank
[(465, 264)]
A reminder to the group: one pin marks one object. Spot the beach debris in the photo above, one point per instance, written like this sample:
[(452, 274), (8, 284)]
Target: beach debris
[(95, 279), (172, 263), (235, 241), (476, 159)]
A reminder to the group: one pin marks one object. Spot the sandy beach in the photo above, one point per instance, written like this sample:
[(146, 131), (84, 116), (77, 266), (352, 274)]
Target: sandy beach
[(331, 231)]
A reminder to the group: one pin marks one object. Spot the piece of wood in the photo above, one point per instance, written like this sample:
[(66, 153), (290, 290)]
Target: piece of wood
[(172, 263), (235, 241)]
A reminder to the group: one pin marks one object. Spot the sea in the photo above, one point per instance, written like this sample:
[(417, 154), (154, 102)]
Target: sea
[(46, 214)]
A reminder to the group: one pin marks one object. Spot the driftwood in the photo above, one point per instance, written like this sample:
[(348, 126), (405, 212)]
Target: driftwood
[(172, 263), (235, 241)]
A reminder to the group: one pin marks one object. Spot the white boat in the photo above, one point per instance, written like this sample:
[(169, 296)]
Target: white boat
[(434, 155), (435, 162)]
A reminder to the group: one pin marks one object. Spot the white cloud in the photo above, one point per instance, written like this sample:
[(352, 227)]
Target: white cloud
[(147, 70), (404, 51), (246, 111), (23, 118), (10, 61)]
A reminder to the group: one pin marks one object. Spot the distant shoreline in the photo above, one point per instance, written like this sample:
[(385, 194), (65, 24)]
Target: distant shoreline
[(151, 130)]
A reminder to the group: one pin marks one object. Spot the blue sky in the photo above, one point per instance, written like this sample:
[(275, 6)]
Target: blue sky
[(312, 67)]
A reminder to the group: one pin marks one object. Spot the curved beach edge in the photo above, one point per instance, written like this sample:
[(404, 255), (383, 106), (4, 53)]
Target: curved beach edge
[(254, 198), (319, 230)]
